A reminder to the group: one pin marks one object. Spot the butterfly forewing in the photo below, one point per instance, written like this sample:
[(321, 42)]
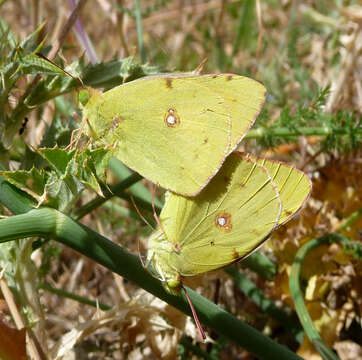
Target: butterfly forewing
[(175, 131), (244, 98)]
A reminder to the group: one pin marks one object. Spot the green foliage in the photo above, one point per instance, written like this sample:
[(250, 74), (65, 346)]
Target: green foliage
[(352, 248), (340, 131), (246, 20), (12, 67), (68, 174), (21, 60), (60, 131)]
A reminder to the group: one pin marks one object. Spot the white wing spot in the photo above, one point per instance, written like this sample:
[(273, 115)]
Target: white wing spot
[(171, 118), (223, 221)]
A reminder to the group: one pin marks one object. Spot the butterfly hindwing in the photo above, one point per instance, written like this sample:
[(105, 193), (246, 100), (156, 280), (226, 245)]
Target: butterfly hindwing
[(293, 185), (248, 199), (229, 219)]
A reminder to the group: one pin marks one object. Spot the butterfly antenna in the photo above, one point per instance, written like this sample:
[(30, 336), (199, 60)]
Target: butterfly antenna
[(145, 266), (194, 314), (143, 263), (138, 243), (139, 213), (154, 211)]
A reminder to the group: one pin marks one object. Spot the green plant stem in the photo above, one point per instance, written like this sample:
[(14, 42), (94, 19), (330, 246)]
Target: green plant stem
[(298, 298), (266, 305), (260, 264), (108, 194), (302, 131), (138, 190), (296, 291), (129, 180), (350, 220), (138, 15), (50, 223), (72, 296)]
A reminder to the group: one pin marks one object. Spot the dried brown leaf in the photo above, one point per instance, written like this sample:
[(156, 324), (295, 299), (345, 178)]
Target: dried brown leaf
[(12, 343)]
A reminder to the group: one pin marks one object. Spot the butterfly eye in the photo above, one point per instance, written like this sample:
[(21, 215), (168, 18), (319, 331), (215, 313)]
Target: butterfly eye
[(83, 97), (223, 221)]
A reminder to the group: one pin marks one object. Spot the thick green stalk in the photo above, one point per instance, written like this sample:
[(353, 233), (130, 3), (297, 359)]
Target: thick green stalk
[(297, 293), (298, 299), (50, 223), (260, 264), (301, 131), (72, 296), (266, 305)]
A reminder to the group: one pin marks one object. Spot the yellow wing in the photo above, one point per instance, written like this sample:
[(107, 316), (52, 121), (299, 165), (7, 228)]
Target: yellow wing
[(244, 98), (238, 210), (228, 220), (294, 186), (175, 130)]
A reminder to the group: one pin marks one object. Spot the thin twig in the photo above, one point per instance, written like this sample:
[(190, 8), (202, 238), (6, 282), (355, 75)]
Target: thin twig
[(10, 300), (68, 25), (122, 32), (260, 29), (54, 50), (34, 346), (353, 51)]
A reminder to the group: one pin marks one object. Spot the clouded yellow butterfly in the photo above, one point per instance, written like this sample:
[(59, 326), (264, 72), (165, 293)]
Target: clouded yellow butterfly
[(248, 199)]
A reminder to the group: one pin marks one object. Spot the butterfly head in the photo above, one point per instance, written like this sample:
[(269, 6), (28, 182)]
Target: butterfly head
[(173, 286), (159, 255), (171, 279), (87, 95)]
